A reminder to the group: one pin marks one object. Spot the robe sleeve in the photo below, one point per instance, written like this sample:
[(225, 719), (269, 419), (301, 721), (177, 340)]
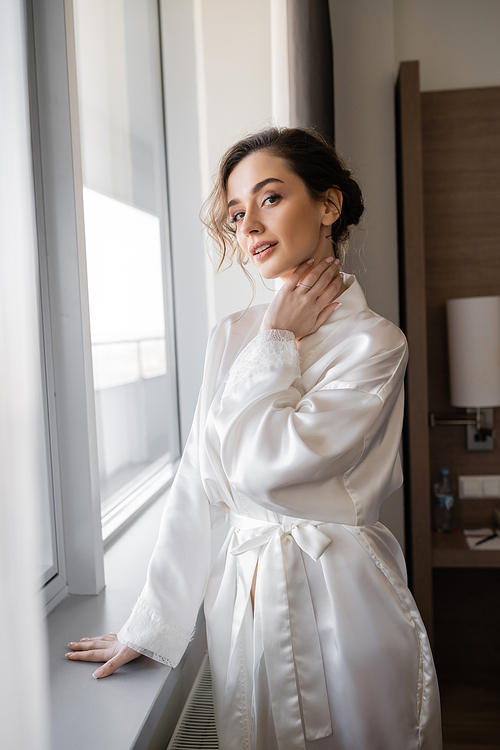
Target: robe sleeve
[(294, 454), (164, 617)]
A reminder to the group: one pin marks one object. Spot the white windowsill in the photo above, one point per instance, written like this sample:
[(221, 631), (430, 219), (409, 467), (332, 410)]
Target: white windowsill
[(120, 712)]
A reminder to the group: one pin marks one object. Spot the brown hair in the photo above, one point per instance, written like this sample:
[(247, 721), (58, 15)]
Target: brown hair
[(311, 157)]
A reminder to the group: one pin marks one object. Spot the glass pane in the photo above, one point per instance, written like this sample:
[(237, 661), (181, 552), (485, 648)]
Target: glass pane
[(48, 567), (125, 214)]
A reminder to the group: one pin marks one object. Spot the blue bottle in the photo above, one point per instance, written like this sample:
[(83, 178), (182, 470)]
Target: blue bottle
[(444, 504)]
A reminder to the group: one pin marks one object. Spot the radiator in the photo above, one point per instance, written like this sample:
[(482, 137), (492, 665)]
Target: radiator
[(196, 726)]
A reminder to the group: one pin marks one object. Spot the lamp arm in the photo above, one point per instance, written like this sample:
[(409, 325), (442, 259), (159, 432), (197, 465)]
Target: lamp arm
[(486, 431)]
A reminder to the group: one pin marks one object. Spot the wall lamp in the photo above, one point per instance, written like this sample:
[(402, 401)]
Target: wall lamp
[(474, 361)]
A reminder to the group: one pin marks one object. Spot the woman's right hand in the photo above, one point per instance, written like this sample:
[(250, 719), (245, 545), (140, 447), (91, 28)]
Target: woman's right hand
[(306, 299), (105, 648)]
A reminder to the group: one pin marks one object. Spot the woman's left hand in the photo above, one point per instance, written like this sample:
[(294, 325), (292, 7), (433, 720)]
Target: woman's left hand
[(303, 310), (106, 648)]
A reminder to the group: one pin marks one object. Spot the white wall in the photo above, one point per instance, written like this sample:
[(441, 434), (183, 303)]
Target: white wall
[(233, 44), (456, 41), (185, 196)]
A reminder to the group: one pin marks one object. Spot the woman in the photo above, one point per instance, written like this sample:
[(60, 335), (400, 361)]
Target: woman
[(315, 640)]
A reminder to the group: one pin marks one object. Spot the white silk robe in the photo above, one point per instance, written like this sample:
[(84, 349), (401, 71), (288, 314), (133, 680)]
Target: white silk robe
[(296, 446)]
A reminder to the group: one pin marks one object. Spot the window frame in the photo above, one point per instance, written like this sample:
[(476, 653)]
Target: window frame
[(64, 305), (80, 532), (55, 588)]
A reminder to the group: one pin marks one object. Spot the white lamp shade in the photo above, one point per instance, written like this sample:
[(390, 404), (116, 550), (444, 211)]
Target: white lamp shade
[(474, 351)]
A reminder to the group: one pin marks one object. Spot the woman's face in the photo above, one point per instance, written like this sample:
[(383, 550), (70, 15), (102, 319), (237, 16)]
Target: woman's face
[(269, 205)]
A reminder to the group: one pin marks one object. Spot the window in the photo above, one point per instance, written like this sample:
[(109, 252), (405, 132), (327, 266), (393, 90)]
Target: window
[(126, 241), (110, 423)]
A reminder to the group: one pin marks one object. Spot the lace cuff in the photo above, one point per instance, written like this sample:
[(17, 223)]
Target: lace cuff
[(276, 335), (146, 632), (268, 349)]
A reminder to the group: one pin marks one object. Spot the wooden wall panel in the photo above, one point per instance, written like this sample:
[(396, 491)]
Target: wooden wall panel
[(461, 176)]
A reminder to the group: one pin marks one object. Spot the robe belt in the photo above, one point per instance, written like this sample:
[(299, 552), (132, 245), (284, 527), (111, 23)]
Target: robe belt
[(284, 610)]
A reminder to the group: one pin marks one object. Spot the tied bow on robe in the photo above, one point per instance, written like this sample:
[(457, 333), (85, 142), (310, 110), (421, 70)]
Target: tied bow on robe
[(290, 639)]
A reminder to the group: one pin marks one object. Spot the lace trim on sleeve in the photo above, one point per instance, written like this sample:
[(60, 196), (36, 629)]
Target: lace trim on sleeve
[(146, 652), (149, 634), (268, 348), (276, 335)]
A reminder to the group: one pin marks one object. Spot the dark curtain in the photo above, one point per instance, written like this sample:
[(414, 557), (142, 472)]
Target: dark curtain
[(310, 51)]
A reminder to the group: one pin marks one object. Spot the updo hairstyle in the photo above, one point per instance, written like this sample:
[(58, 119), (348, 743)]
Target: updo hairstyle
[(308, 155)]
